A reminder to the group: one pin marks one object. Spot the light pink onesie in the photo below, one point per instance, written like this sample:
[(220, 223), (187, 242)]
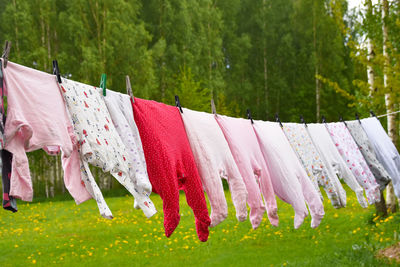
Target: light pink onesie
[(246, 151), (214, 161), (37, 118), (350, 152), (289, 178)]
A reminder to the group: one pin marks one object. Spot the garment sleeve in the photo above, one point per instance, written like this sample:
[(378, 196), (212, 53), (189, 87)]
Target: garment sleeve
[(94, 190), (213, 186), (268, 193), (195, 198), (21, 183), (237, 188), (345, 173), (312, 198), (72, 177)]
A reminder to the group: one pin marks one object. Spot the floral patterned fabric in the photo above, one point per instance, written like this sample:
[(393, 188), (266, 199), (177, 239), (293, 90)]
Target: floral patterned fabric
[(309, 156), (350, 152), (121, 112), (99, 143), (360, 137)]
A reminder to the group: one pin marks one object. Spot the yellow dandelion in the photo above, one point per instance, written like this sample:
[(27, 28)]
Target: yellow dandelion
[(34, 261), (124, 241), (137, 242), (15, 246)]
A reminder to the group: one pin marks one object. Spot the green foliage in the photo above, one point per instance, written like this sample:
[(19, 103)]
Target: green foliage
[(190, 91)]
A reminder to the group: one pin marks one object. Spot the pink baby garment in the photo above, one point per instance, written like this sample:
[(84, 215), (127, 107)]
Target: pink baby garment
[(288, 176), (37, 119), (247, 154), (214, 161)]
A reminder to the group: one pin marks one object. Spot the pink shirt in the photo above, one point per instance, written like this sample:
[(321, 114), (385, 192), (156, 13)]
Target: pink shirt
[(245, 149), (37, 119)]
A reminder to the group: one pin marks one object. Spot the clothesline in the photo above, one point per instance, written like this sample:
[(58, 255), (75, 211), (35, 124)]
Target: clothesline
[(387, 114), (138, 153)]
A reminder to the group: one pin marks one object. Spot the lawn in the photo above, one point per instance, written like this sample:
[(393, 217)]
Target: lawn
[(62, 233)]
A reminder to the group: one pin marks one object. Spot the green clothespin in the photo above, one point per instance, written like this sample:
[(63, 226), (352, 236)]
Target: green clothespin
[(103, 83)]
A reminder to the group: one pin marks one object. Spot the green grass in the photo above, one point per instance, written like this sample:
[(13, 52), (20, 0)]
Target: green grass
[(48, 233)]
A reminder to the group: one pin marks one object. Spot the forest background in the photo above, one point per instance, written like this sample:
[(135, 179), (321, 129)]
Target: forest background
[(291, 57)]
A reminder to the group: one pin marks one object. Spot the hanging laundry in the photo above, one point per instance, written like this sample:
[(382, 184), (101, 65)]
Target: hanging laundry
[(247, 154), (332, 159), (288, 176), (120, 108), (37, 119), (309, 156), (9, 202), (170, 163), (99, 143), (385, 150), (350, 152), (365, 146), (214, 160)]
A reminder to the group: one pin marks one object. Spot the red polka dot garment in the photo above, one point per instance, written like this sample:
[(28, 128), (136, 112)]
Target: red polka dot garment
[(170, 163)]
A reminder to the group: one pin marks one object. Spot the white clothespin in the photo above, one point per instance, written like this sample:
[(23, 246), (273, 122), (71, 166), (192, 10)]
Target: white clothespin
[(129, 88), (213, 109), (6, 52)]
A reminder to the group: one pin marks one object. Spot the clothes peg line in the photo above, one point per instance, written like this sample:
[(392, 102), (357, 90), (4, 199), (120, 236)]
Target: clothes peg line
[(178, 103), (56, 71), (358, 118), (302, 120), (278, 120), (249, 116), (129, 88), (213, 109), (6, 52), (103, 83)]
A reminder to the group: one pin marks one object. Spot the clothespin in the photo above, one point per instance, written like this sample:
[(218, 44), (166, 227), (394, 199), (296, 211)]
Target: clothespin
[(56, 70), (358, 118), (129, 88), (103, 83), (278, 120), (302, 120), (372, 113), (178, 103), (6, 52), (341, 120), (249, 116), (213, 109), (323, 119)]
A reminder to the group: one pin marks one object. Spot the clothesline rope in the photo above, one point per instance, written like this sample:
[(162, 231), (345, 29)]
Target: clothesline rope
[(387, 114)]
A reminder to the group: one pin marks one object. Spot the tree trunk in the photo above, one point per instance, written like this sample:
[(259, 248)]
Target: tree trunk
[(391, 119), (16, 29), (266, 91), (380, 206), (370, 69), (317, 83)]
